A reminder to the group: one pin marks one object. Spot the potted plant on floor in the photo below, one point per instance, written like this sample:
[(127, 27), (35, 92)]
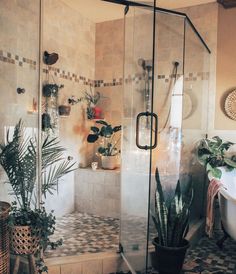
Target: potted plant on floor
[(31, 227), (110, 140), (211, 153), (171, 219)]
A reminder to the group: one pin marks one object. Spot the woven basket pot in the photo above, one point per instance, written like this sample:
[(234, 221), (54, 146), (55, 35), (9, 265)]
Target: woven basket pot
[(24, 240), (4, 239)]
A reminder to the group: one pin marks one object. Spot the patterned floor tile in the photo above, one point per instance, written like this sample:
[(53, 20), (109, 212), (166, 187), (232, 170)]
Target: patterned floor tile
[(207, 258), (83, 233)]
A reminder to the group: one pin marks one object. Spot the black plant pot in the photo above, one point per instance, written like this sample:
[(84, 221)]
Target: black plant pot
[(64, 110), (168, 260)]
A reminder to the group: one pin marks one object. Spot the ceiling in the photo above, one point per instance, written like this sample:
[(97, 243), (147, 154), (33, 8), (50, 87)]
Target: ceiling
[(99, 11)]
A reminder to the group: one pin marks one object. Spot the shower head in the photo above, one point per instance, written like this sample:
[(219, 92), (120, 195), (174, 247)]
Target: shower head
[(50, 58), (145, 64)]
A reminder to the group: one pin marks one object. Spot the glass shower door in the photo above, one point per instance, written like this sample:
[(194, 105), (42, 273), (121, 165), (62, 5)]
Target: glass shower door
[(137, 115)]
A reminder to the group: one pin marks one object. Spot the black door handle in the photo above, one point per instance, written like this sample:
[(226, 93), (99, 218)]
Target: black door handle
[(152, 115)]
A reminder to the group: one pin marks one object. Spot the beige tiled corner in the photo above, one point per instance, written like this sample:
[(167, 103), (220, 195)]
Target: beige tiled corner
[(71, 269), (92, 267), (54, 269)]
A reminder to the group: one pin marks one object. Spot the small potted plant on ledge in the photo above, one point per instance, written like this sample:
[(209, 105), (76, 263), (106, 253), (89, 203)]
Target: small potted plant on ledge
[(91, 98), (31, 227), (108, 148), (211, 153), (171, 219)]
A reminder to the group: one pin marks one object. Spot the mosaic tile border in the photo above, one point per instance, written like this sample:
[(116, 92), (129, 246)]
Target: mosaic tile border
[(18, 60), (8, 57)]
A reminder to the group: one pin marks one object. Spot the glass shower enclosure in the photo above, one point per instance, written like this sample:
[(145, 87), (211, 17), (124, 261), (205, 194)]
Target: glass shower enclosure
[(166, 75)]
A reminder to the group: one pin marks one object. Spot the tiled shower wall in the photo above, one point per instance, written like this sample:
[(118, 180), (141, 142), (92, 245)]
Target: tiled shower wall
[(72, 36), (18, 68), (109, 53)]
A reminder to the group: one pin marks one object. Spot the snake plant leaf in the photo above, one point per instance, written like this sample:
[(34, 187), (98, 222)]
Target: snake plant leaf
[(161, 210), (230, 162), (172, 221)]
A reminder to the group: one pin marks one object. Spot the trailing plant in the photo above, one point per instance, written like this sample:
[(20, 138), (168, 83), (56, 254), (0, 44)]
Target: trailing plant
[(108, 133), (211, 153), (18, 157), (171, 216), (51, 90)]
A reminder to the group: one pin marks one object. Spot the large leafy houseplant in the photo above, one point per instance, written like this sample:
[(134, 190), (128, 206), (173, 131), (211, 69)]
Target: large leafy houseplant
[(108, 134), (109, 145), (18, 157), (171, 220), (211, 153)]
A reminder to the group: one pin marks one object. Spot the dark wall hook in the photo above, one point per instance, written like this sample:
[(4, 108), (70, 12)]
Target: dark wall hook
[(20, 90)]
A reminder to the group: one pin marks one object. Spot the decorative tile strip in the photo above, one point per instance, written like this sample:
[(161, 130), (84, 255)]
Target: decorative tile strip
[(15, 59), (70, 76), (10, 58)]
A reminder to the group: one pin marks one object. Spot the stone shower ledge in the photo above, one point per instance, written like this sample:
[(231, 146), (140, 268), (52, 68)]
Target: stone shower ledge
[(89, 169)]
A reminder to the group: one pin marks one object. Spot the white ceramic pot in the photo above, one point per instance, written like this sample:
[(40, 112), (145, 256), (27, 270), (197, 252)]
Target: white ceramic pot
[(109, 162)]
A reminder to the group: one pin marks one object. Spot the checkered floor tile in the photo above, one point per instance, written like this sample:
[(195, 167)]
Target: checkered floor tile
[(83, 233)]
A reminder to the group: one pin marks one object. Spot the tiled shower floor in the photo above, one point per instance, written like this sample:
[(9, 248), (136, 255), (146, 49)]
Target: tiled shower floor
[(84, 233)]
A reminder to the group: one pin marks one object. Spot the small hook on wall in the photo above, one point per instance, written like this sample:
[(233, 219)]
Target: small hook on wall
[(20, 90)]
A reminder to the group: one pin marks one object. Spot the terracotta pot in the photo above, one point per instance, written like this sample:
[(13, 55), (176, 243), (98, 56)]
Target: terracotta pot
[(24, 240), (109, 162), (169, 260), (64, 110), (97, 113)]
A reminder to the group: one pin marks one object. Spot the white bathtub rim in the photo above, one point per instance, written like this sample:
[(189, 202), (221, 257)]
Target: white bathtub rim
[(223, 190), (227, 195)]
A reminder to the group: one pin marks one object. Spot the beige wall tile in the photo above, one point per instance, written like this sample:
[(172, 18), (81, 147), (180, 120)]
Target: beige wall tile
[(71, 269), (54, 270), (92, 267)]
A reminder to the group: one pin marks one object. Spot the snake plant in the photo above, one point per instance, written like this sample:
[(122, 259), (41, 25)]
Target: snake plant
[(171, 216), (211, 153)]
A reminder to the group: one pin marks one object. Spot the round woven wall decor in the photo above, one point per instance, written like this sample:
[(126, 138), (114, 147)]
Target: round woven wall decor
[(230, 105)]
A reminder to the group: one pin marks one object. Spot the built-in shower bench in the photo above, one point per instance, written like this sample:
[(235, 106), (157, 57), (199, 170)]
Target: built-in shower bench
[(98, 192)]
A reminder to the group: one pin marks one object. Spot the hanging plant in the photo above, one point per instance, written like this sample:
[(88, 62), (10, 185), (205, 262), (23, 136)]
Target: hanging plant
[(51, 90)]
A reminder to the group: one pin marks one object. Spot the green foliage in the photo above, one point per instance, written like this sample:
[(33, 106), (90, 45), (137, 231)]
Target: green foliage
[(92, 98), (18, 157), (171, 217), (108, 134), (211, 153)]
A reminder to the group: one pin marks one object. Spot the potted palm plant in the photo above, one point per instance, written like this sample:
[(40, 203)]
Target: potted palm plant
[(108, 148), (171, 219), (211, 153), (31, 227)]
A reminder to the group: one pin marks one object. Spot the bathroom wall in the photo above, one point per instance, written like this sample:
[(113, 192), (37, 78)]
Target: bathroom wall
[(226, 69), (72, 36), (19, 48), (109, 52)]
